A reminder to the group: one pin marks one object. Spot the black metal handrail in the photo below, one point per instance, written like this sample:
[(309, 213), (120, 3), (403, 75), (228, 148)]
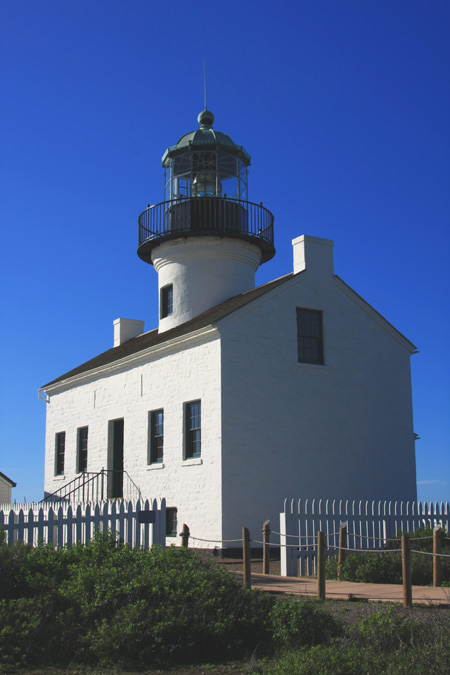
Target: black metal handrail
[(91, 487), (198, 216)]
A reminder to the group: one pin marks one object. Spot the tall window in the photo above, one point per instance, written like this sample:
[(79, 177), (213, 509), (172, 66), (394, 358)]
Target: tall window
[(192, 429), (309, 336), (60, 449), (166, 301), (156, 436), (82, 449), (171, 522)]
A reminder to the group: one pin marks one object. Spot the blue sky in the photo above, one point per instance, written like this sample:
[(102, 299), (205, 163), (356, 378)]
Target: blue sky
[(344, 106)]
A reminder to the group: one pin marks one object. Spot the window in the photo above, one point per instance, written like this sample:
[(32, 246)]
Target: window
[(171, 522), (156, 436), (60, 449), (309, 336), (192, 429), (166, 301), (82, 449)]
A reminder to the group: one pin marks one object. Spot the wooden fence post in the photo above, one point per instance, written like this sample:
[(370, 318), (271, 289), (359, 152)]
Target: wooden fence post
[(246, 558), (266, 547), (406, 569), (436, 559), (342, 547), (185, 536), (321, 565)]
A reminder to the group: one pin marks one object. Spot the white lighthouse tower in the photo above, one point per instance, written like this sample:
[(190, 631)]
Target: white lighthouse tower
[(206, 240)]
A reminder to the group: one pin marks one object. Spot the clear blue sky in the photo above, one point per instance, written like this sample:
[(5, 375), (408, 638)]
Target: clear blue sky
[(344, 106)]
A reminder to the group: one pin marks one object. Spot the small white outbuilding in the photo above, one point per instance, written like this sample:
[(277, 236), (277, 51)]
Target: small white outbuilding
[(242, 396), (6, 485)]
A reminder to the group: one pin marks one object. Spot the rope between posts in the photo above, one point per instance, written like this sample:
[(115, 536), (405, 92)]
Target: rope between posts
[(436, 555), (296, 536), (366, 536), (367, 550), (216, 541), (335, 534), (269, 543)]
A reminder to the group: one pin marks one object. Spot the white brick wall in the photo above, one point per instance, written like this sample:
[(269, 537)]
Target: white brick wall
[(271, 427), (341, 430), (164, 382)]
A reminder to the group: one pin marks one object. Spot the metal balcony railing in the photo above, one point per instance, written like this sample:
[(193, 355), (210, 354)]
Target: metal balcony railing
[(206, 216)]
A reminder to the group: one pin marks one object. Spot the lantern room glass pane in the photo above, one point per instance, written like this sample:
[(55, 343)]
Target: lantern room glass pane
[(242, 188), (206, 173), (226, 166), (230, 188), (243, 172)]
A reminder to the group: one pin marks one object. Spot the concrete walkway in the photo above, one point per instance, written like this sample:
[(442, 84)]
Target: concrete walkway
[(349, 590)]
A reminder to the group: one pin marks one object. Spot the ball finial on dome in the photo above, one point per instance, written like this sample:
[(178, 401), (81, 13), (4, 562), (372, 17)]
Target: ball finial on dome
[(206, 118)]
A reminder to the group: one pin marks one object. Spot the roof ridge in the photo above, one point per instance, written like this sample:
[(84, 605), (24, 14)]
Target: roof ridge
[(153, 337)]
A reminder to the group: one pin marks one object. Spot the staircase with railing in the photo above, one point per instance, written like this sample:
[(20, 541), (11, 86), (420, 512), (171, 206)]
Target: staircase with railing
[(95, 487)]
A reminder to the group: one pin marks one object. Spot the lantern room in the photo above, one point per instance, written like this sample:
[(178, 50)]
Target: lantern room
[(206, 163), (206, 194)]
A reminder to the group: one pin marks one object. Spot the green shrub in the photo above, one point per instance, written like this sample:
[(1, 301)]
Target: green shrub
[(105, 604), (300, 623), (385, 643), (381, 568), (387, 631), (334, 659), (386, 568), (25, 631), (350, 659)]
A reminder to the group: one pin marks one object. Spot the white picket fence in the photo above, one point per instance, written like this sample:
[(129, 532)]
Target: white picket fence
[(369, 525), (140, 525)]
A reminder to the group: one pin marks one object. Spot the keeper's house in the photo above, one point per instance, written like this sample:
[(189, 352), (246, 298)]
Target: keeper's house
[(6, 485), (242, 395)]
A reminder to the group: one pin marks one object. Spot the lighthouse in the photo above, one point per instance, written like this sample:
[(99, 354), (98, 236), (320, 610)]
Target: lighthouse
[(206, 239), (241, 397)]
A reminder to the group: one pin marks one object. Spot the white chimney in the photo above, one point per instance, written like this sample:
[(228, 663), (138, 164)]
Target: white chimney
[(313, 255), (125, 329)]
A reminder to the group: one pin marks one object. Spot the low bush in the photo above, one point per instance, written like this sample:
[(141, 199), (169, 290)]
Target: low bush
[(384, 643), (344, 659), (374, 568), (386, 568), (105, 604), (301, 623)]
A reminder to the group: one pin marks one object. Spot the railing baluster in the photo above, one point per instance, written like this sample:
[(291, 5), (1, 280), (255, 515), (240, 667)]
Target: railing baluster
[(217, 214)]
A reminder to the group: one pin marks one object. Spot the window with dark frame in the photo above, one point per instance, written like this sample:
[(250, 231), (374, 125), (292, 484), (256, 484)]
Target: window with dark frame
[(82, 449), (60, 449), (171, 522), (192, 429), (166, 301), (156, 436), (310, 336)]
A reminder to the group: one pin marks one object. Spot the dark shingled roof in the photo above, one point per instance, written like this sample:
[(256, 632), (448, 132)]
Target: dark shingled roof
[(152, 338), (11, 482)]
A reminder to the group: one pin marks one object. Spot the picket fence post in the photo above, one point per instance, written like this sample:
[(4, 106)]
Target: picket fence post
[(64, 525)]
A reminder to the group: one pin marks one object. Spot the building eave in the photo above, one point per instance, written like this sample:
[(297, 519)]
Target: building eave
[(7, 480), (202, 335)]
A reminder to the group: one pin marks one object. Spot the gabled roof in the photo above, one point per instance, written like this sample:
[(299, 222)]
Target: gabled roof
[(8, 480), (153, 338), (208, 318)]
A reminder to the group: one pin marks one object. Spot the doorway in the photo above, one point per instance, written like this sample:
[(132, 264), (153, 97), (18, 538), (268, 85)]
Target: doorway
[(115, 459)]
